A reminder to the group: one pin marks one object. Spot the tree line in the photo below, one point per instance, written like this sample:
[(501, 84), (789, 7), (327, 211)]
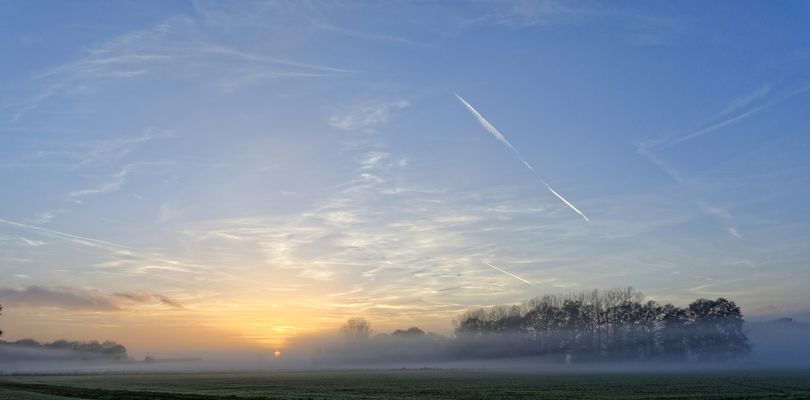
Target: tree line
[(83, 350), (597, 325), (614, 324)]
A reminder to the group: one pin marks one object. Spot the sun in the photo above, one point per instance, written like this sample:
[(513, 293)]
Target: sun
[(277, 354)]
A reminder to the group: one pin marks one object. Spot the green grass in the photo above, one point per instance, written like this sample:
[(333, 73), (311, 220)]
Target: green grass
[(408, 385), (26, 395)]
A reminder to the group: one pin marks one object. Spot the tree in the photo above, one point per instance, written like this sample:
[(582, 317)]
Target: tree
[(716, 330), (357, 328), (28, 343), (410, 332), (113, 350), (672, 339)]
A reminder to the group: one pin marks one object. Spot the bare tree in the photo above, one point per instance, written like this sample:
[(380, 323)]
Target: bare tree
[(357, 328)]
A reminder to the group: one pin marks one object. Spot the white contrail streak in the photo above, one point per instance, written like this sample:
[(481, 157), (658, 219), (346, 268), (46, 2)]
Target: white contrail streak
[(67, 236), (498, 135), (567, 202), (490, 128), (512, 275)]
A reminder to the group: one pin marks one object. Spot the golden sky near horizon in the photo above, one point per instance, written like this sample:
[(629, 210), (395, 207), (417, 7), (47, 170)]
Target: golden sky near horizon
[(202, 175)]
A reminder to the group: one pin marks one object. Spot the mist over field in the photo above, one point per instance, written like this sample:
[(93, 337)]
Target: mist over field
[(774, 347), (608, 330)]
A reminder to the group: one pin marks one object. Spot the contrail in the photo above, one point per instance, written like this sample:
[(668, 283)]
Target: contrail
[(566, 202), (512, 275), (717, 125), (648, 150), (492, 130), (498, 135), (734, 119), (73, 238), (645, 151)]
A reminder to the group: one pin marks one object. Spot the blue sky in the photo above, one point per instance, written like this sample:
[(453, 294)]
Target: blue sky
[(292, 164)]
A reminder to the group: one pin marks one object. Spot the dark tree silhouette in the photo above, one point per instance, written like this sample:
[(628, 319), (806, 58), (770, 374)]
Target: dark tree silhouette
[(82, 350), (716, 330), (671, 333), (409, 333), (611, 324)]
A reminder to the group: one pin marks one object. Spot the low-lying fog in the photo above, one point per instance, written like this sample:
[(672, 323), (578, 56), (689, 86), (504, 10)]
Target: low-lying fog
[(776, 344)]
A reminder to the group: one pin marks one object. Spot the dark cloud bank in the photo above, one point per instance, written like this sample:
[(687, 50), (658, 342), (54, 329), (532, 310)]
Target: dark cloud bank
[(79, 299)]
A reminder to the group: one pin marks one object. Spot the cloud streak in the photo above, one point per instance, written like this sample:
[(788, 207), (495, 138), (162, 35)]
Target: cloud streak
[(115, 183), (80, 299), (366, 116), (154, 53), (499, 136), (93, 153)]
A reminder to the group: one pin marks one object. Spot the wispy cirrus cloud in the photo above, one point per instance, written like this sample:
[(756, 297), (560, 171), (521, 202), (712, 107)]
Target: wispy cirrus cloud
[(150, 265), (405, 249), (89, 160), (644, 29), (86, 154), (366, 116), (113, 184), (522, 13), (21, 241), (45, 217), (156, 53), (323, 19)]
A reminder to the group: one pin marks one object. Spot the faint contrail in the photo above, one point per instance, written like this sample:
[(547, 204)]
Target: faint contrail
[(649, 149), (498, 135), (734, 119), (68, 236), (512, 275)]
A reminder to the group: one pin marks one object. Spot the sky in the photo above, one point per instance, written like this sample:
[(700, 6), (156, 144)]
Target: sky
[(221, 175)]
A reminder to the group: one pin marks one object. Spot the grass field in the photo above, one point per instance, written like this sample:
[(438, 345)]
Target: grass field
[(430, 384)]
